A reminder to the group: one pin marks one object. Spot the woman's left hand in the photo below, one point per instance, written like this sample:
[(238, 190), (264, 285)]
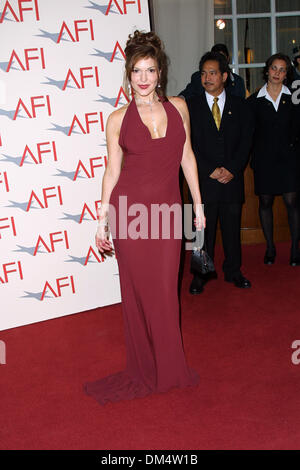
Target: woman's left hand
[(199, 220)]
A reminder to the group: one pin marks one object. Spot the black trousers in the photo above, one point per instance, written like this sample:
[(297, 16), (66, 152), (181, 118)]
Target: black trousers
[(229, 214)]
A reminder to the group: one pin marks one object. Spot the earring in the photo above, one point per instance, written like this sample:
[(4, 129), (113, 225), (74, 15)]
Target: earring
[(159, 85)]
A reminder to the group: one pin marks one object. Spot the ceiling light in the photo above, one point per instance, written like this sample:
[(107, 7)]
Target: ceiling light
[(220, 24)]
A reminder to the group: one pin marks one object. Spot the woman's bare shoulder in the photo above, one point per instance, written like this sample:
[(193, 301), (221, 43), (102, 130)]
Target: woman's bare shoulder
[(116, 117), (179, 104)]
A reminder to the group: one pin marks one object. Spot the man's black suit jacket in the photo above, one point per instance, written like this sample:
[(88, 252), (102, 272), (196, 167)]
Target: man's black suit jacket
[(228, 147)]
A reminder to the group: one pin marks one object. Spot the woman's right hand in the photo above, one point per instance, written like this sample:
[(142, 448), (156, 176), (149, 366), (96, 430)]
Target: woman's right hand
[(199, 220), (102, 235), (102, 238)]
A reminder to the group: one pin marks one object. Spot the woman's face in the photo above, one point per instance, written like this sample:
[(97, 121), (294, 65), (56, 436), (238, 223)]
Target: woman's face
[(277, 72), (144, 76)]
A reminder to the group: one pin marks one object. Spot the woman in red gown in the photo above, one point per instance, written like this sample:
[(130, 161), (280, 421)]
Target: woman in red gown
[(148, 140)]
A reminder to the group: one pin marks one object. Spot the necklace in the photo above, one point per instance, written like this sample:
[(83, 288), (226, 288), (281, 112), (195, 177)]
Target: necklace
[(150, 103), (152, 117)]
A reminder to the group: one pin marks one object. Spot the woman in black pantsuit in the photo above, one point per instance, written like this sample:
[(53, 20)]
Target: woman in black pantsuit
[(276, 156)]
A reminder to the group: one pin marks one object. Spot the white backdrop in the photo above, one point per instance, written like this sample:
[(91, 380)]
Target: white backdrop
[(61, 71)]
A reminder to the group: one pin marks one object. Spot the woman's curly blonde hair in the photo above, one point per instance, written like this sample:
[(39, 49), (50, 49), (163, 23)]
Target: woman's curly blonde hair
[(142, 45)]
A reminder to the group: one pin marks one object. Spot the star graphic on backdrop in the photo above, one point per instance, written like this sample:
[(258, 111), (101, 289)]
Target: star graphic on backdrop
[(101, 8), (21, 205), (67, 174), (58, 83), (63, 129), (15, 160), (52, 36), (111, 101), (106, 55), (3, 66), (74, 217), (29, 249), (9, 114), (75, 259), (35, 295)]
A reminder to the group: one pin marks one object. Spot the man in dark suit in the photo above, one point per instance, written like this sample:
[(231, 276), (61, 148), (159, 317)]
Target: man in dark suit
[(221, 129), (234, 84)]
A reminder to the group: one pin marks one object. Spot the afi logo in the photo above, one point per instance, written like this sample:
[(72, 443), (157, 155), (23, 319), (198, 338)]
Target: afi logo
[(125, 3), (11, 225), (86, 209), (82, 70), (53, 240), (85, 126), (49, 147), (92, 253), (61, 282), (121, 92), (18, 14), (9, 268), (93, 165), (46, 196), (117, 46), (77, 29), (27, 58), (34, 102)]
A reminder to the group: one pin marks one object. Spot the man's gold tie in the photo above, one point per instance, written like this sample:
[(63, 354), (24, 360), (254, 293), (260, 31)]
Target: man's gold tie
[(216, 113)]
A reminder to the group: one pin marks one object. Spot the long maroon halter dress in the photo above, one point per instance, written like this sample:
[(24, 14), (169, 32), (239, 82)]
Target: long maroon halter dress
[(148, 267)]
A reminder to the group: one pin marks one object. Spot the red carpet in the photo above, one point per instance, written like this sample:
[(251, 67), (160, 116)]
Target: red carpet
[(239, 341)]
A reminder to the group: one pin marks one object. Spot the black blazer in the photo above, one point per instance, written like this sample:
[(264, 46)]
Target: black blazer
[(276, 132), (275, 153), (228, 147)]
